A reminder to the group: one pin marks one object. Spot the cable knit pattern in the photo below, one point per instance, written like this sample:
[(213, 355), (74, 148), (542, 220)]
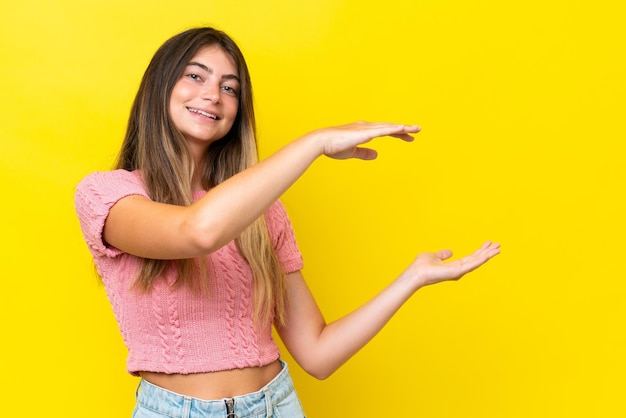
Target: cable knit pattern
[(171, 329), (230, 293), (174, 319), (162, 331)]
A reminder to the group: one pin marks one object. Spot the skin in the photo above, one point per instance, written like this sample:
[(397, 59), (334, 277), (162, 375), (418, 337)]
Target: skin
[(144, 228)]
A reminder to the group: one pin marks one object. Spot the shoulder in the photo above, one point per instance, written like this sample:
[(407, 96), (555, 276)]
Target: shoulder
[(99, 191), (277, 220), (114, 177), (276, 213), (116, 184), (93, 199), (283, 237)]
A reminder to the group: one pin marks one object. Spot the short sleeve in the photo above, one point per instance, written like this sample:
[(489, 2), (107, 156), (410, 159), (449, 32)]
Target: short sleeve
[(283, 238), (95, 196)]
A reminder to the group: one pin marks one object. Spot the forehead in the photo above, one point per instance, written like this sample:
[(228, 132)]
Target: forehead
[(216, 59)]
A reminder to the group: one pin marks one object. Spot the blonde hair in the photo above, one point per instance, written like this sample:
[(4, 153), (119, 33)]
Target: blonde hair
[(154, 146)]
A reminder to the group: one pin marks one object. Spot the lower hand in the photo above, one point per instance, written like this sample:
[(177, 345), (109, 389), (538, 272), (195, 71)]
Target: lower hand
[(431, 268)]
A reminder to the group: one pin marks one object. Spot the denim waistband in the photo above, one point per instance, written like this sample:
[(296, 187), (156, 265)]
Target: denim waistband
[(172, 404)]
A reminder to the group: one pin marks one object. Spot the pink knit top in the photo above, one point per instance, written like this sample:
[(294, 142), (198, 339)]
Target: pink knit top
[(172, 329)]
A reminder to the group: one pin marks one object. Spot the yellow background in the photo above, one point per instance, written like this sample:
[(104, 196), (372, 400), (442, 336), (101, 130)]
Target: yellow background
[(522, 109)]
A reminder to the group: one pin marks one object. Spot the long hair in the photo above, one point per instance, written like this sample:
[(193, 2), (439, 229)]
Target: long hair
[(159, 150)]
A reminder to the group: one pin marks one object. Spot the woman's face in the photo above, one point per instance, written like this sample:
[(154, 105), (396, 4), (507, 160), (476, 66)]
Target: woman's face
[(205, 100)]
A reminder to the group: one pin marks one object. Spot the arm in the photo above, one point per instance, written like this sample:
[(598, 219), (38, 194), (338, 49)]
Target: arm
[(153, 230), (322, 348)]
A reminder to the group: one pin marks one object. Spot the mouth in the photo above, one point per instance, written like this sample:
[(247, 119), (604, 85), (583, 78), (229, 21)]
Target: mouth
[(203, 113)]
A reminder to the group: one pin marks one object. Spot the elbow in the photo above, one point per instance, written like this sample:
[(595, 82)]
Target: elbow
[(203, 238), (321, 376), (319, 371), (202, 244)]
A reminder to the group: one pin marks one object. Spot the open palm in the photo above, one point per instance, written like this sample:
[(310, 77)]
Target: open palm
[(431, 268)]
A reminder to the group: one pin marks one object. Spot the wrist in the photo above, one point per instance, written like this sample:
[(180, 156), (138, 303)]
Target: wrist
[(314, 143), (411, 280)]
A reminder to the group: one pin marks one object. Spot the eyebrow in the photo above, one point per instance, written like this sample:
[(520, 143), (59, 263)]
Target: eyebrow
[(210, 71)]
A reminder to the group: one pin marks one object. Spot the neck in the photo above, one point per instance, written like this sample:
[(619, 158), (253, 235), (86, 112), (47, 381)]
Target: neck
[(196, 181), (198, 151)]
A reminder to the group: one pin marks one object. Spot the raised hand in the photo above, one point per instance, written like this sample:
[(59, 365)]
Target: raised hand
[(343, 142), (431, 268)]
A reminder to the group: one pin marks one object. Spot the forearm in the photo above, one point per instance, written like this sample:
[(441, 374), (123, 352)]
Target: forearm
[(322, 348), (233, 205), (338, 341), (229, 208)]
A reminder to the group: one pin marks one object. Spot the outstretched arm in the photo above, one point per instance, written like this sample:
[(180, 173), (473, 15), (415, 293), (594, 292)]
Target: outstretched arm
[(144, 228), (322, 348)]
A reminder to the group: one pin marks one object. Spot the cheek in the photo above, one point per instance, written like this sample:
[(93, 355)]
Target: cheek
[(179, 95), (233, 108), (181, 92), (176, 108)]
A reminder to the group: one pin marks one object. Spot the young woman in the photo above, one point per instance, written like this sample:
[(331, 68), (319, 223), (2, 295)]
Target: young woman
[(198, 256)]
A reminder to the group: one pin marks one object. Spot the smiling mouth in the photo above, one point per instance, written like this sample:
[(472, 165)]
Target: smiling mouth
[(203, 113)]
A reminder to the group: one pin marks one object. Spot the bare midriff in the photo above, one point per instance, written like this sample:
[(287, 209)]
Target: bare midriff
[(216, 385)]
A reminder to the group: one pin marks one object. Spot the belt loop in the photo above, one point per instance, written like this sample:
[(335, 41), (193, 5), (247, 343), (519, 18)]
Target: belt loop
[(138, 389), (268, 403), (186, 407)]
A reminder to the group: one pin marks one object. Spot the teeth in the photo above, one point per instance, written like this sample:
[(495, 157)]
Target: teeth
[(203, 113)]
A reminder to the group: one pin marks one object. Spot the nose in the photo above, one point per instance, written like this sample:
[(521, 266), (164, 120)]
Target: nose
[(211, 92)]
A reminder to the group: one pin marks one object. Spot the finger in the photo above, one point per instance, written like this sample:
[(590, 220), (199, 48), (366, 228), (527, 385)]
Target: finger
[(404, 137), (479, 257), (488, 247), (491, 248), (471, 263), (395, 130), (443, 254), (364, 154), (401, 127)]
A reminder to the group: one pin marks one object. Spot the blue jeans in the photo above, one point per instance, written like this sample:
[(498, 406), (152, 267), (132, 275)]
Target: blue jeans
[(276, 399)]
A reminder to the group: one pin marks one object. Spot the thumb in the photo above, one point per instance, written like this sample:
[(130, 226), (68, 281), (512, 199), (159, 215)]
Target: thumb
[(443, 254)]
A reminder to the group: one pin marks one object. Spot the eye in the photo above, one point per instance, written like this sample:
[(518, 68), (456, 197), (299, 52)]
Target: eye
[(230, 90), (194, 76)]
